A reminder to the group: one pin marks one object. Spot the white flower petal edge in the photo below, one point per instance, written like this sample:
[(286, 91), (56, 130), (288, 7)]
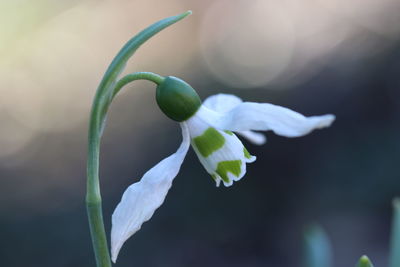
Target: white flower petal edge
[(222, 102), (262, 117), (141, 199), (225, 102)]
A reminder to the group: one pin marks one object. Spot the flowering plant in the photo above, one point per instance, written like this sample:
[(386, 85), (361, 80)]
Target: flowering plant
[(210, 128)]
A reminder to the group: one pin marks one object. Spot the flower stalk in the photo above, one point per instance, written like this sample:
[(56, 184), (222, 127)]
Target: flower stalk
[(108, 88)]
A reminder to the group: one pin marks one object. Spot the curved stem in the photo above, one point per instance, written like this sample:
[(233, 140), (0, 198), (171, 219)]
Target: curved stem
[(157, 79), (107, 89)]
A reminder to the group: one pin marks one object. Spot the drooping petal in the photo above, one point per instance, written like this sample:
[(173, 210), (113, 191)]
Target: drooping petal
[(221, 152), (225, 102), (141, 199), (262, 117)]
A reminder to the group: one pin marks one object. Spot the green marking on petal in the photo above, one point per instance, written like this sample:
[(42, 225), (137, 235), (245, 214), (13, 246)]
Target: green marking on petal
[(211, 140), (246, 153), (232, 166), (214, 177), (228, 132)]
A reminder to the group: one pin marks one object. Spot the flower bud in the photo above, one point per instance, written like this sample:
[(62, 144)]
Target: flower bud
[(177, 99)]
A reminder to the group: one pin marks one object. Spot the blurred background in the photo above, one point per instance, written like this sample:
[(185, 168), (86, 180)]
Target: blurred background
[(313, 56)]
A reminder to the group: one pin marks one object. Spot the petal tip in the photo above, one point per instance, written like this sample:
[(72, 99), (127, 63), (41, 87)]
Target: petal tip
[(261, 142), (115, 251), (251, 159), (228, 184), (327, 120)]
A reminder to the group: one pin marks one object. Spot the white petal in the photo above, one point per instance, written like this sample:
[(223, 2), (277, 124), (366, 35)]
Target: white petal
[(222, 102), (255, 116), (141, 199), (225, 102)]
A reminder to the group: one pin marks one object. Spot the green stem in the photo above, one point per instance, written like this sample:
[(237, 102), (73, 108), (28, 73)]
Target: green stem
[(106, 91), (157, 79), (93, 198)]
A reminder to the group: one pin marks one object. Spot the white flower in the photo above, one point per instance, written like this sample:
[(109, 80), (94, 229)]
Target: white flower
[(222, 154)]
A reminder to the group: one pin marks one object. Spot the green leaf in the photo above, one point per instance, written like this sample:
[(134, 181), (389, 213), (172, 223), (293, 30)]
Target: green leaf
[(119, 62), (317, 248), (394, 258), (364, 262)]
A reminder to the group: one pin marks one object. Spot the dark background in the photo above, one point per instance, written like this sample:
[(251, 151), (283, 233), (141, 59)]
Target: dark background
[(343, 177)]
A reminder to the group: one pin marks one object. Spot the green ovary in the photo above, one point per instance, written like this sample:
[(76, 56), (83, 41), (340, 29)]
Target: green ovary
[(232, 166), (211, 140)]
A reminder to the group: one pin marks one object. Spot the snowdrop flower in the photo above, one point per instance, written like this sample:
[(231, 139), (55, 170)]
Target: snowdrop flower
[(210, 128)]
